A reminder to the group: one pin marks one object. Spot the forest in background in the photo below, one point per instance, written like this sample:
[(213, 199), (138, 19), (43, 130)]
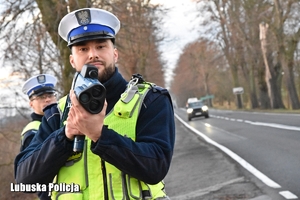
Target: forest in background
[(253, 44)]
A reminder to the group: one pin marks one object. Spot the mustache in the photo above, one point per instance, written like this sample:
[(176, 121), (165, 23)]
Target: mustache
[(98, 61)]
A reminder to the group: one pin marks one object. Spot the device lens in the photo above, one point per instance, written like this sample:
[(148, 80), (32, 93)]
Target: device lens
[(93, 74), (84, 97), (94, 105), (96, 91)]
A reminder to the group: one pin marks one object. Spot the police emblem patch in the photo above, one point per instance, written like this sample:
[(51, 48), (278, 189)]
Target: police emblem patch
[(41, 79), (83, 17)]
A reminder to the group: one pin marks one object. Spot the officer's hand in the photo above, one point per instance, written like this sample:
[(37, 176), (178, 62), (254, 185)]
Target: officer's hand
[(71, 129), (85, 122)]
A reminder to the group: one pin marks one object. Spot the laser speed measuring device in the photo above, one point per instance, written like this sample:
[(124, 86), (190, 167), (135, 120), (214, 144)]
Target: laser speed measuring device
[(91, 95)]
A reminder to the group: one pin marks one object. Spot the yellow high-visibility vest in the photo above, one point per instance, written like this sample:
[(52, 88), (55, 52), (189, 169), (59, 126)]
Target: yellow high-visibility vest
[(86, 169)]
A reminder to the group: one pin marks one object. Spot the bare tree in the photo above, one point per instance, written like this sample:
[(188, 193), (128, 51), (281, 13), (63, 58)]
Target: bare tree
[(197, 70), (269, 72), (138, 41), (239, 37), (286, 18)]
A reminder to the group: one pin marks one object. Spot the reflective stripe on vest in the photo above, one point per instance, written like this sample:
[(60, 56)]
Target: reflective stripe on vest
[(118, 185)]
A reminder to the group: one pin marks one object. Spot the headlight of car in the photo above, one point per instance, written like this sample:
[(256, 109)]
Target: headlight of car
[(189, 110), (204, 108)]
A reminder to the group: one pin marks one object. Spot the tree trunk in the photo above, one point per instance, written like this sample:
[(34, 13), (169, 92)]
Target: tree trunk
[(286, 46), (268, 74), (51, 19), (290, 85)]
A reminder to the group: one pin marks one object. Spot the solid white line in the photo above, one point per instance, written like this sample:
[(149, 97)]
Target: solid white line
[(281, 126), (273, 125), (234, 156), (259, 113), (288, 195)]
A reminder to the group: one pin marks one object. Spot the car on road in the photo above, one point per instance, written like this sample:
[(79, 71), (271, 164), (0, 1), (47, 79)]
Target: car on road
[(196, 109)]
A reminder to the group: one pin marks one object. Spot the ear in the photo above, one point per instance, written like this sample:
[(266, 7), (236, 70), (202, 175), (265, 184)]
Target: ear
[(72, 60), (116, 55), (31, 103)]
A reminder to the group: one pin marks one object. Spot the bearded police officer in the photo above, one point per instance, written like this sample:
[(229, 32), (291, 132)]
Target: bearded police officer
[(128, 145)]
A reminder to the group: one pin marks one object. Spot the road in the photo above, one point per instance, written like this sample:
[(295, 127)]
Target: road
[(268, 142)]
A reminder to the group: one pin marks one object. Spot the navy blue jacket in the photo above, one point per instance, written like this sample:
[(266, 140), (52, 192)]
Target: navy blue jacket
[(148, 159)]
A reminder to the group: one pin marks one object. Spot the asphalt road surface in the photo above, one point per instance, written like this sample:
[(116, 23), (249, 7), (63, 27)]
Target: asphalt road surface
[(236, 155)]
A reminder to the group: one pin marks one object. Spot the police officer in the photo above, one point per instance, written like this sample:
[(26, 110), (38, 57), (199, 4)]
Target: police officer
[(128, 145), (41, 92)]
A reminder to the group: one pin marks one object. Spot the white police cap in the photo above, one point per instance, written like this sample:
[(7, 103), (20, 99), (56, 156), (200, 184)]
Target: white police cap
[(40, 84), (88, 24)]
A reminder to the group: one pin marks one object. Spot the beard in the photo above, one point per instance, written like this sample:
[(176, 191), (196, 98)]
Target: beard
[(106, 73)]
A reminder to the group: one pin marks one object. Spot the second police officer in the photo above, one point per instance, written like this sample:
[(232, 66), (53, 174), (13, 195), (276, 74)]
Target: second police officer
[(41, 92)]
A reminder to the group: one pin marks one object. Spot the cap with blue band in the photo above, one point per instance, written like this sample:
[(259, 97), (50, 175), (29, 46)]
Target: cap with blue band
[(37, 88), (90, 28), (40, 84), (88, 24)]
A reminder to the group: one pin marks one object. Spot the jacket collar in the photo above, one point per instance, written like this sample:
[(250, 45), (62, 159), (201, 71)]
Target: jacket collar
[(115, 86)]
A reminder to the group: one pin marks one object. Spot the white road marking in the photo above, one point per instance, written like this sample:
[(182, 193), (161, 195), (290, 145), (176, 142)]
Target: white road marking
[(234, 156), (280, 126), (273, 125), (288, 195), (241, 161)]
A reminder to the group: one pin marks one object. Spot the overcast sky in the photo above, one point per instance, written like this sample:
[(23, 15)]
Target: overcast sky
[(180, 28)]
